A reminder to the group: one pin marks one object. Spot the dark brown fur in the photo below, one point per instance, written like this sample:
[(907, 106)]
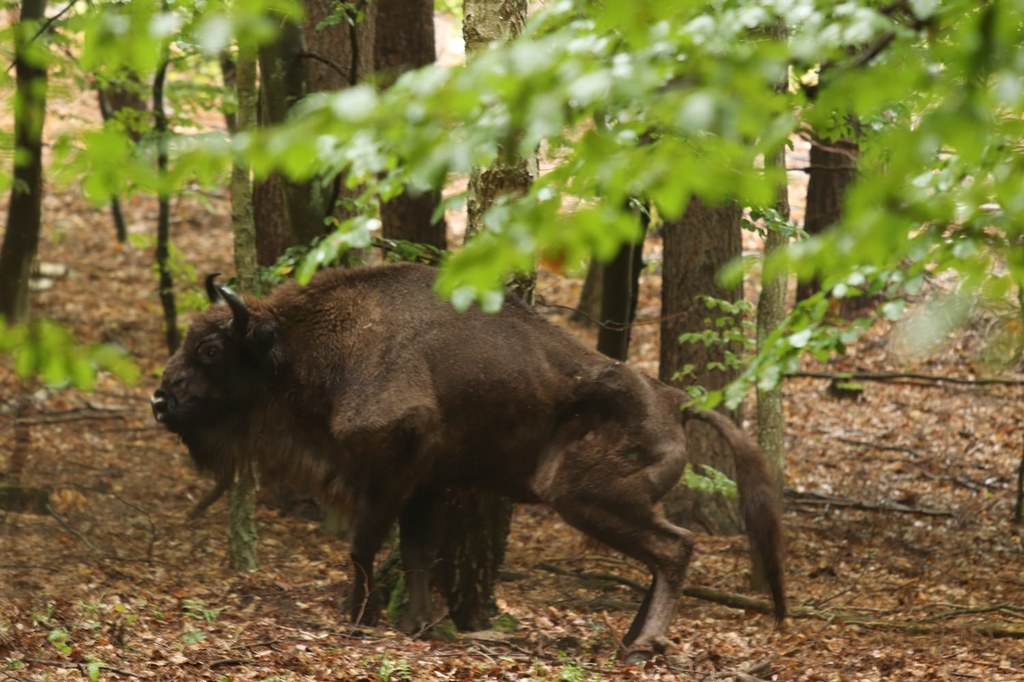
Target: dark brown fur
[(363, 386)]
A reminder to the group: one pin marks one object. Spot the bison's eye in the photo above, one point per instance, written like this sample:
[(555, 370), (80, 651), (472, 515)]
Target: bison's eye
[(209, 352)]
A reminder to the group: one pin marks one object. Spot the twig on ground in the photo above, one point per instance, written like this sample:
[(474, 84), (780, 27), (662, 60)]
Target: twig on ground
[(74, 531), (817, 500), (130, 505), (608, 577)]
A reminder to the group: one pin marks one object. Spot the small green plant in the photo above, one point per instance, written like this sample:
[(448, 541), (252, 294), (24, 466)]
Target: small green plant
[(60, 639), (43, 617), (505, 622), (574, 672), (93, 667), (193, 636), (709, 481), (199, 610), (391, 669)]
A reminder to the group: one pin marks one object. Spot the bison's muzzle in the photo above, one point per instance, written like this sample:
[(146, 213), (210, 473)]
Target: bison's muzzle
[(161, 402)]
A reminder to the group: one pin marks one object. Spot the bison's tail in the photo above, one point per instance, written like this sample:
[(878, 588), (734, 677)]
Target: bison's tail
[(759, 502)]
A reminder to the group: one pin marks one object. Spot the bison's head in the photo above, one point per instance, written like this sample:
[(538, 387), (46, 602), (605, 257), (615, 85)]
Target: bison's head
[(212, 384)]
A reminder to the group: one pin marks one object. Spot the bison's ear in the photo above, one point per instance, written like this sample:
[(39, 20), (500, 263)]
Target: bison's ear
[(263, 337)]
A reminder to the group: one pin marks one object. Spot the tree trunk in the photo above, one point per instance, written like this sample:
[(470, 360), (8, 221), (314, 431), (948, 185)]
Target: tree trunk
[(833, 170), (404, 40), (588, 310), (163, 225), (476, 523), (696, 247), (24, 213), (620, 287), (115, 96), (242, 530)]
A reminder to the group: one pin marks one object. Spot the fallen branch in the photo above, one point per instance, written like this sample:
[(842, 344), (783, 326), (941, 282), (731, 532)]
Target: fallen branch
[(1004, 607), (905, 377), (83, 668), (819, 500), (67, 418), (739, 601), (880, 446), (925, 628)]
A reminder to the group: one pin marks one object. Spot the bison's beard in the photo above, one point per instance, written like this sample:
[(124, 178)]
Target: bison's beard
[(213, 444), (286, 452)]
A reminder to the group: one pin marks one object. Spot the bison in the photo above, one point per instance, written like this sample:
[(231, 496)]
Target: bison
[(366, 389)]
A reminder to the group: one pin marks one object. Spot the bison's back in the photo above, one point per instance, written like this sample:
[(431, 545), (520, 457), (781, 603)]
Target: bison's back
[(484, 393)]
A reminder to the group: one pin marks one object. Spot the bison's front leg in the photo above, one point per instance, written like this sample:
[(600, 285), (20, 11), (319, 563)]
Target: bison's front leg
[(370, 528), (418, 546)]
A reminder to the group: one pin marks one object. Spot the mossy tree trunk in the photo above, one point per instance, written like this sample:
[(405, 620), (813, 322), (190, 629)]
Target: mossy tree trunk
[(242, 530)]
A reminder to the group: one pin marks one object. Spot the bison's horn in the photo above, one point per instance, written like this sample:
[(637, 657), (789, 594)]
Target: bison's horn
[(212, 291), (238, 309)]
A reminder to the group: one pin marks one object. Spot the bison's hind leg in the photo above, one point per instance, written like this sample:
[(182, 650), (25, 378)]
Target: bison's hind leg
[(635, 526)]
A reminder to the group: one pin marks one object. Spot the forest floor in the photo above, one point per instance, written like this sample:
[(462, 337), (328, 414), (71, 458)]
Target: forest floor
[(913, 571)]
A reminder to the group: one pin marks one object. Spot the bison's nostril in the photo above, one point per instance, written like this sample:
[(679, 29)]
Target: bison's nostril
[(161, 402)]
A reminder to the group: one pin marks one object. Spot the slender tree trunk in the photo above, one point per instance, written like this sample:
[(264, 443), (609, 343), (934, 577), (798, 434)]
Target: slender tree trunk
[(588, 310), (833, 170), (163, 225), (24, 213), (242, 530), (696, 247), (246, 267), (474, 523), (620, 284)]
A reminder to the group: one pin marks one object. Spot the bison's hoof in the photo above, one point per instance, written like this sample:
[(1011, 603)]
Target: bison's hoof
[(643, 652), (637, 657)]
